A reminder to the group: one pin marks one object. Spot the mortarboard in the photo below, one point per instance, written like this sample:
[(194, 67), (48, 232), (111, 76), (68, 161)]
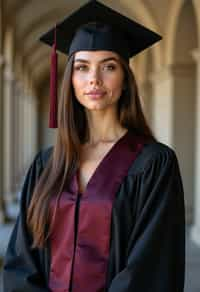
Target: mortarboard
[(94, 26)]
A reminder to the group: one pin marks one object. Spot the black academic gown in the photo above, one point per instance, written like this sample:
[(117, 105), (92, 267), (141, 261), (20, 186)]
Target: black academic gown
[(147, 243)]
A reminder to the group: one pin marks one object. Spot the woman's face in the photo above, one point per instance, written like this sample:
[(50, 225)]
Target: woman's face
[(97, 79)]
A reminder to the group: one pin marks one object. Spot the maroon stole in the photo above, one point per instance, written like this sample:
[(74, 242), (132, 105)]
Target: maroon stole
[(81, 232)]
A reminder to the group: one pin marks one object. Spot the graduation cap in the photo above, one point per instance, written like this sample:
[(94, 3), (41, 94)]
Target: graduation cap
[(92, 27)]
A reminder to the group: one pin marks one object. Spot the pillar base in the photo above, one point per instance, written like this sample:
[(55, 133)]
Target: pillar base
[(195, 234)]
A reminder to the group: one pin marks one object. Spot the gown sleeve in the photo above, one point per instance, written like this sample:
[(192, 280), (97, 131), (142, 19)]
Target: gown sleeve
[(156, 249), (21, 272)]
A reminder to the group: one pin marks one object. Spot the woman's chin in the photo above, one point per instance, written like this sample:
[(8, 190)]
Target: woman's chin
[(99, 105), (96, 107)]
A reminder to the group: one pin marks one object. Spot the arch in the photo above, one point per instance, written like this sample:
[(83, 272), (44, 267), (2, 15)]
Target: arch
[(17, 6), (13, 8), (39, 22), (39, 26), (142, 13), (170, 35), (197, 14), (185, 41)]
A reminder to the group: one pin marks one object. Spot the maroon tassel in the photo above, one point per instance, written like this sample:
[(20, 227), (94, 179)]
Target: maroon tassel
[(53, 87)]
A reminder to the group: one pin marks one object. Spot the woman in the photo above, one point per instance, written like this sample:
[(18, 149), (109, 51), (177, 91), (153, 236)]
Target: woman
[(104, 209)]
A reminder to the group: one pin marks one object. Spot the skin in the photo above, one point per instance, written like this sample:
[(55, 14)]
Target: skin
[(101, 71)]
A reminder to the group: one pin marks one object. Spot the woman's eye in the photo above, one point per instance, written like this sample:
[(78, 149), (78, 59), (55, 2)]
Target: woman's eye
[(80, 68), (110, 67)]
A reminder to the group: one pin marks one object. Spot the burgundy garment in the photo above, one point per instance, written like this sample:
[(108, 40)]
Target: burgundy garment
[(81, 232)]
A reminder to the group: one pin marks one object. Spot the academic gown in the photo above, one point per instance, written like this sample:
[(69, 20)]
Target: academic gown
[(147, 234)]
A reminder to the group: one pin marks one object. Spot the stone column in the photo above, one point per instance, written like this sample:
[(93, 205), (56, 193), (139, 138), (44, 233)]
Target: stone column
[(21, 129), (21, 141), (162, 104), (16, 149), (145, 93), (27, 128), (195, 230), (8, 132), (33, 126), (3, 216)]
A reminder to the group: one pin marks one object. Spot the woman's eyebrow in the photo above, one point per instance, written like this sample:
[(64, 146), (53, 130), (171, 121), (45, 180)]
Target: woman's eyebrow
[(102, 61)]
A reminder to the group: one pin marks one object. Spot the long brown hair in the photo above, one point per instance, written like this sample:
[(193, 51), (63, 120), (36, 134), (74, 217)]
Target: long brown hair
[(72, 132)]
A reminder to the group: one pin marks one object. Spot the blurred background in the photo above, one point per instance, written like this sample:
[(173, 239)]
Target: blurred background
[(168, 76)]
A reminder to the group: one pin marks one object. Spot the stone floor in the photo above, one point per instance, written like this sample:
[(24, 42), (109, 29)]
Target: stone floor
[(192, 281)]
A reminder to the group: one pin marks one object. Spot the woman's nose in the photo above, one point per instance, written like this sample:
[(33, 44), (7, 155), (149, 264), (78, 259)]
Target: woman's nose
[(95, 78)]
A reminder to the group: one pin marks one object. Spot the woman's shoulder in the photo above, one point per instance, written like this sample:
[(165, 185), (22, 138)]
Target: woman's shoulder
[(43, 156), (153, 153)]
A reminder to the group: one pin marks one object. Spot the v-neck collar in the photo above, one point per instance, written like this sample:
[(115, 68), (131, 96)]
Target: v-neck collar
[(117, 155)]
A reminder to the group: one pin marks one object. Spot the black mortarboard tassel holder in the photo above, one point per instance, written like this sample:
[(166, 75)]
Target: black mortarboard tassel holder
[(53, 86)]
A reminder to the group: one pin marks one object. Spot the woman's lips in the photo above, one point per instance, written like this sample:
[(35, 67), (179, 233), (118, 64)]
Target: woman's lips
[(95, 94)]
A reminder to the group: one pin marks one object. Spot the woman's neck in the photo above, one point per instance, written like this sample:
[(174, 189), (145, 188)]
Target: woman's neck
[(104, 126), (109, 137)]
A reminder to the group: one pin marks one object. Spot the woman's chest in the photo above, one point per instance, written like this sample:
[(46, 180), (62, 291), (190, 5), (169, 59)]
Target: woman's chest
[(91, 159)]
